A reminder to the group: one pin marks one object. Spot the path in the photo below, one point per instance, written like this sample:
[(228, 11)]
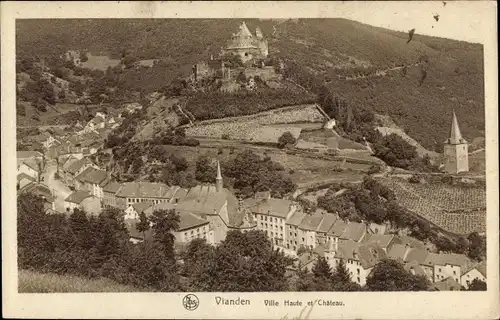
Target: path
[(59, 189)]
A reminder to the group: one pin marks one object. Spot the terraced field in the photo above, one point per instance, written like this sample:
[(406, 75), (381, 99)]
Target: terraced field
[(261, 127), (458, 210)]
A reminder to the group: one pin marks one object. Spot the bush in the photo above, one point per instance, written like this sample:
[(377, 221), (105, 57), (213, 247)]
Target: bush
[(225, 136), (286, 139)]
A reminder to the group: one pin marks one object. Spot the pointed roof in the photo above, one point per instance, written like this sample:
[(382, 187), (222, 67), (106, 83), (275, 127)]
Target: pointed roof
[(455, 135), (244, 31), (219, 175)]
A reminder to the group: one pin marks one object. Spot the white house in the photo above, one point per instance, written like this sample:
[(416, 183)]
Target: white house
[(476, 272), (445, 265), (30, 168), (134, 210)]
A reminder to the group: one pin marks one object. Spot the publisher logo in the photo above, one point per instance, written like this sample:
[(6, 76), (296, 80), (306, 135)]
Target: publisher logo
[(190, 302)]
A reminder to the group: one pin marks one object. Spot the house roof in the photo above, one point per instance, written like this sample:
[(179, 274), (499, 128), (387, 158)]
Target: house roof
[(418, 255), (92, 175), (370, 254), (274, 207), (40, 190), (481, 267), (327, 222), (78, 196), (189, 220), (23, 175), (442, 259), (70, 160), (28, 154), (143, 189), (338, 228), (263, 195), (410, 241), (112, 187), (97, 119), (30, 163), (384, 240), (354, 231), (448, 284), (296, 218), (347, 249), (415, 267), (311, 221), (77, 165), (397, 252), (141, 206)]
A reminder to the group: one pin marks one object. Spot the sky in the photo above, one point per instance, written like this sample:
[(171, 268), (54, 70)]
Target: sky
[(459, 20)]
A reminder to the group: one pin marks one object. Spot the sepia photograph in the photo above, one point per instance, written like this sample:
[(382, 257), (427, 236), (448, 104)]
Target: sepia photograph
[(255, 154)]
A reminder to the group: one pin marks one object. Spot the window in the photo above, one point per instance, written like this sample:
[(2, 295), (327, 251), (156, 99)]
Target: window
[(303, 239), (358, 270), (359, 281), (281, 228), (454, 273)]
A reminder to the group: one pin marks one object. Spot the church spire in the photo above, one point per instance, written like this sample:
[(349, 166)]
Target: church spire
[(455, 136), (218, 179)]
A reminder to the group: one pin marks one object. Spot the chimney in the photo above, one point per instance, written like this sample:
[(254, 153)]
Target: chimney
[(218, 180)]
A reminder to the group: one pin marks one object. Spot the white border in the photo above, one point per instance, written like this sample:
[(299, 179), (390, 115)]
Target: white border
[(385, 305)]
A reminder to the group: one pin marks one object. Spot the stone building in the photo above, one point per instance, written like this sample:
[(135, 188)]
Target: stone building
[(456, 153), (248, 46)]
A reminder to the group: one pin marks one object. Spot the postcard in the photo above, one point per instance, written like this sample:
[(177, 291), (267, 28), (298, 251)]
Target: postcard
[(250, 160)]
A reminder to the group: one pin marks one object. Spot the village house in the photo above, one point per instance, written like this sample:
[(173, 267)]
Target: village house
[(91, 180), (74, 169), (448, 284), (31, 168), (133, 211), (359, 259), (45, 139), (23, 179), (447, 265), (307, 230), (82, 200), (385, 241), (140, 191), (42, 191), (292, 230), (109, 194), (28, 155), (271, 215), (477, 271)]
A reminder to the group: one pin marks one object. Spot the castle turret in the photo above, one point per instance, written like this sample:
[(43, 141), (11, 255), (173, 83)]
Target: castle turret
[(218, 180), (456, 153)]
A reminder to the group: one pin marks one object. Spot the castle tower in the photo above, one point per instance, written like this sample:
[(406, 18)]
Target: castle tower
[(456, 151), (218, 180)]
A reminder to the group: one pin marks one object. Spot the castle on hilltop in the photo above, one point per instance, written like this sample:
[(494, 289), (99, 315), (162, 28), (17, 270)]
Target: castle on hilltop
[(247, 45), (250, 48), (456, 151)]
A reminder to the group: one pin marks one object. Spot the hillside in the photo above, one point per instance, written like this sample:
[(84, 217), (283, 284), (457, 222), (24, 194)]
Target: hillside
[(370, 67), (36, 282)]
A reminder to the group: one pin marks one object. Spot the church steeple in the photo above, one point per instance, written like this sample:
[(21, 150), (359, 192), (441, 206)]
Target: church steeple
[(218, 180), (455, 135)]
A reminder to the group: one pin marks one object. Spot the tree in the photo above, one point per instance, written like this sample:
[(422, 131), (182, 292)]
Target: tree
[(390, 275), (477, 246), (477, 285), (143, 224), (199, 265), (286, 139), (165, 222), (342, 280), (248, 262), (205, 170), (321, 269)]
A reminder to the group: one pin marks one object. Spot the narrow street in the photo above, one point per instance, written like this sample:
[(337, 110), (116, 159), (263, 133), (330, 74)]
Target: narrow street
[(59, 189)]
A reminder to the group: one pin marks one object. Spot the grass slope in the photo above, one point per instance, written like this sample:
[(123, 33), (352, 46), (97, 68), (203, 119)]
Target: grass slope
[(327, 47), (36, 282)]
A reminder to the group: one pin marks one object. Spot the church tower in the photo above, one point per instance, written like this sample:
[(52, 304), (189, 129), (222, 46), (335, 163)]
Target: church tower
[(456, 151), (218, 180)]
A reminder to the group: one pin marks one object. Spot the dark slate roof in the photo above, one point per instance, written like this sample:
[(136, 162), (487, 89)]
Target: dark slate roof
[(143, 189), (75, 166), (274, 207), (40, 190), (28, 154), (77, 197), (112, 187), (92, 175), (23, 175)]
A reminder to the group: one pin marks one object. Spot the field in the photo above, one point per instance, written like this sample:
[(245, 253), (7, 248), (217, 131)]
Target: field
[(100, 62), (458, 210), (261, 127), (330, 139), (36, 282), (59, 114)]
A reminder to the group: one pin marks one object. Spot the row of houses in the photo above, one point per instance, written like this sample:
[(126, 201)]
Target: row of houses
[(359, 245)]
